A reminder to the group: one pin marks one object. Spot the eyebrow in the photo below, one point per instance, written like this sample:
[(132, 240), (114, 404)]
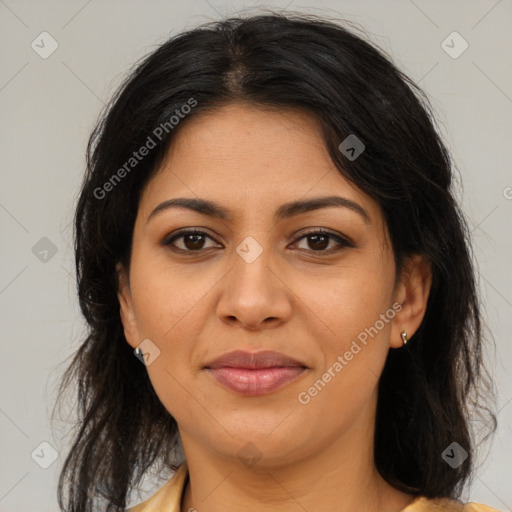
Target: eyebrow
[(285, 211)]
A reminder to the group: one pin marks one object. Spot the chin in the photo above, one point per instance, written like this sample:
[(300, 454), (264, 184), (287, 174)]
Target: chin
[(264, 446)]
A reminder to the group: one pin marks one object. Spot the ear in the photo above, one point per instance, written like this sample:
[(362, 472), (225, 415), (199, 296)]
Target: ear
[(412, 292), (127, 312)]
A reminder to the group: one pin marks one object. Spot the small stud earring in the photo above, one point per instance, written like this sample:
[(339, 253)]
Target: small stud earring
[(404, 337)]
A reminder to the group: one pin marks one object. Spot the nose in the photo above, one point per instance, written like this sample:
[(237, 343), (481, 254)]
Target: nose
[(254, 295)]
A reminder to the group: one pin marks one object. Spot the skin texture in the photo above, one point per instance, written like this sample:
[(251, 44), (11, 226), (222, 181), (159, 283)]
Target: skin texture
[(294, 299)]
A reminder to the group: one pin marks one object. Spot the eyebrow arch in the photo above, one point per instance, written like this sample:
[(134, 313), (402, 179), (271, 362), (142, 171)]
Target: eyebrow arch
[(285, 211)]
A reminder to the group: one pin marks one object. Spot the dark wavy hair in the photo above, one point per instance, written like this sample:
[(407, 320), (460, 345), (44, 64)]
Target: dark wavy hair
[(429, 391)]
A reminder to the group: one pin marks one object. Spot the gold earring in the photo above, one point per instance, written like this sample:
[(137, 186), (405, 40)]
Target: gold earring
[(404, 337)]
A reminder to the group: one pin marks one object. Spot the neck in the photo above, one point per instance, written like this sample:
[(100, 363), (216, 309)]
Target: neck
[(338, 477)]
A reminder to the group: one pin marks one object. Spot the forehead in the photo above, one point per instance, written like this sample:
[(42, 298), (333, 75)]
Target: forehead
[(252, 160)]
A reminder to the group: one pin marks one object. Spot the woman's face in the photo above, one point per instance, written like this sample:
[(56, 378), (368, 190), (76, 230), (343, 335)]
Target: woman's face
[(254, 282)]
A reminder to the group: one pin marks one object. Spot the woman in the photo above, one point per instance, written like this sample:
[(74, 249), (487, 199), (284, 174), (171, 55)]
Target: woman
[(267, 223)]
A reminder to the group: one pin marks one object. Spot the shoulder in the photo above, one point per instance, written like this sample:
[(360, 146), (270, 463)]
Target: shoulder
[(478, 507), (422, 504), (168, 497)]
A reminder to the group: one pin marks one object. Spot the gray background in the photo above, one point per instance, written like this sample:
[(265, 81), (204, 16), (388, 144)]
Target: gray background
[(48, 110)]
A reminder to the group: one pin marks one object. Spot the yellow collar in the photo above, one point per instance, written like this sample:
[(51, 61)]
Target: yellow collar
[(168, 499)]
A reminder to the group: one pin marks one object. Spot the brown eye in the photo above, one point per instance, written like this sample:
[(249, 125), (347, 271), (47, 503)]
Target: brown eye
[(191, 241), (318, 241)]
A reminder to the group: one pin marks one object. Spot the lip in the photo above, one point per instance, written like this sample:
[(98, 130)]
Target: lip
[(253, 374)]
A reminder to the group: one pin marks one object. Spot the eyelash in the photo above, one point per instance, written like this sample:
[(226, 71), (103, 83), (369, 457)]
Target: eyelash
[(343, 242)]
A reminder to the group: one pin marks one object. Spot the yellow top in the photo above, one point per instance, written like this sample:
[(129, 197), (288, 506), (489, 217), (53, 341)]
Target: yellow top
[(168, 499)]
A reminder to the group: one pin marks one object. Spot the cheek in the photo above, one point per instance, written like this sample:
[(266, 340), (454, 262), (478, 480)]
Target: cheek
[(172, 306), (167, 306), (358, 312), (354, 352), (353, 301), (164, 295)]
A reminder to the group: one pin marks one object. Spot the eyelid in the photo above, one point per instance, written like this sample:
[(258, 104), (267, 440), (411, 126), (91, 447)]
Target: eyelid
[(342, 240), (168, 239)]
